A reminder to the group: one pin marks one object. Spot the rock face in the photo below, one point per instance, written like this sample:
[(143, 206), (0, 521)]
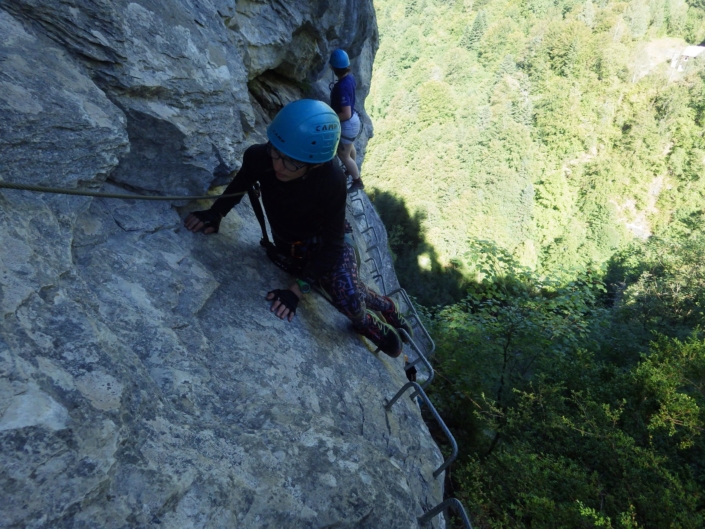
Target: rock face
[(143, 382)]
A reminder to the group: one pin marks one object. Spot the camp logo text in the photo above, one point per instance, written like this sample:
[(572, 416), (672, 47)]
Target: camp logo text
[(329, 126)]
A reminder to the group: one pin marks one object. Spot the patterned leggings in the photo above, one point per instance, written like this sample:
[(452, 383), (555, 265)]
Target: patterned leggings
[(350, 295)]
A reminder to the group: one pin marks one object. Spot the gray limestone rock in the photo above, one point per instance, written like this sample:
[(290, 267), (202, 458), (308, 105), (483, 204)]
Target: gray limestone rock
[(143, 380), (58, 126), (180, 70)]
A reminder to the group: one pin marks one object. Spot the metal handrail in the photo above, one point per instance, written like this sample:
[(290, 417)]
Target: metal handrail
[(420, 392), (416, 315), (368, 229), (358, 199), (377, 275), (450, 502), (420, 358), (379, 272)]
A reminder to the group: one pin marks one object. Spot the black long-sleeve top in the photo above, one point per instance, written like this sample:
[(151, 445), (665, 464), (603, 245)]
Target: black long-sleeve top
[(298, 210)]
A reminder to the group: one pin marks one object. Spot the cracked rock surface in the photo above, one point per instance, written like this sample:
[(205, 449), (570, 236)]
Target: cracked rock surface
[(143, 381)]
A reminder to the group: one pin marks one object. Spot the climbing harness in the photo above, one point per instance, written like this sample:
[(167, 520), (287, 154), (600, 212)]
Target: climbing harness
[(98, 194), (291, 257), (291, 261)]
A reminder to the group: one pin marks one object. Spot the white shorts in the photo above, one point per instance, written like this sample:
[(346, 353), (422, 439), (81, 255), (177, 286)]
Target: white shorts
[(350, 129)]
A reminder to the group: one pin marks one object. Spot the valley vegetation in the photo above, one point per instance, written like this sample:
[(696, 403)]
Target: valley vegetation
[(540, 168)]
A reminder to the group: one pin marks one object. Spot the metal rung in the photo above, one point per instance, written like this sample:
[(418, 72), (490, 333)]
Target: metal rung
[(379, 253), (420, 358), (374, 231), (357, 199), (383, 288), (377, 274), (420, 392), (416, 315), (449, 503), (422, 336), (363, 216)]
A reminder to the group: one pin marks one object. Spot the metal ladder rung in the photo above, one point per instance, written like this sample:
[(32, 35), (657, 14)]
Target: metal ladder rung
[(419, 358), (416, 316), (420, 392), (450, 502)]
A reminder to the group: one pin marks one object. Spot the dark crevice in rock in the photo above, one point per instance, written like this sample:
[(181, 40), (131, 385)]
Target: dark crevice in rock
[(362, 421), (261, 116), (366, 517), (323, 7), (389, 426), (119, 225), (308, 40), (46, 292), (155, 93), (221, 174), (131, 189), (155, 163), (272, 91), (169, 505)]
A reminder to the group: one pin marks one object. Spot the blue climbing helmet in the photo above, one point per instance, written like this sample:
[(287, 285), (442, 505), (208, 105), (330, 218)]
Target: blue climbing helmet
[(306, 130), (339, 59)]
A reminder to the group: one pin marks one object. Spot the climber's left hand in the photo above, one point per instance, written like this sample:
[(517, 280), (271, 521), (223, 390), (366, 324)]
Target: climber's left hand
[(285, 301)]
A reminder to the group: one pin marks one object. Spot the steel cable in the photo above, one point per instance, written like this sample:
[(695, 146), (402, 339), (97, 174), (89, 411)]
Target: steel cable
[(86, 193)]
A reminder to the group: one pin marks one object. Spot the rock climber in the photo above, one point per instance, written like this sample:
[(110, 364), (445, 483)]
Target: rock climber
[(342, 99), (304, 195)]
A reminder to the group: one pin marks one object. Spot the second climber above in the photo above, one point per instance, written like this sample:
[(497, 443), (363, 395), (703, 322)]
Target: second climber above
[(342, 100)]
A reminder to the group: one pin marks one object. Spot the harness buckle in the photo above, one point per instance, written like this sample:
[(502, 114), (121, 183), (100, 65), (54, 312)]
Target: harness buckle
[(293, 249)]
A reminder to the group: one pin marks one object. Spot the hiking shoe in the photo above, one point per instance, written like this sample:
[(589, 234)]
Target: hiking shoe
[(381, 334), (394, 318), (356, 184)]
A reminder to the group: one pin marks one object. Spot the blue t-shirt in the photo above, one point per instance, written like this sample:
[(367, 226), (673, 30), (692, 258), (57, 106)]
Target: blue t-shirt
[(343, 94)]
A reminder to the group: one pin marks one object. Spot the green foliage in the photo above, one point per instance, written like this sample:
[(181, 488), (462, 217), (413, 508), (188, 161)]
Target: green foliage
[(540, 169), (559, 434), (547, 127), (473, 34), (664, 284)]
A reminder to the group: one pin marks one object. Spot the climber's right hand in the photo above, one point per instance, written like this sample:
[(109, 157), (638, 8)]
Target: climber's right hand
[(207, 220)]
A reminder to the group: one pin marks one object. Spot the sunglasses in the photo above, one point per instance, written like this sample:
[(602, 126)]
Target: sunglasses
[(289, 164)]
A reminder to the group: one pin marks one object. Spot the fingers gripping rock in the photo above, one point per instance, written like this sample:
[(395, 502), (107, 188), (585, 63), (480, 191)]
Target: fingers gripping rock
[(286, 297), (210, 219)]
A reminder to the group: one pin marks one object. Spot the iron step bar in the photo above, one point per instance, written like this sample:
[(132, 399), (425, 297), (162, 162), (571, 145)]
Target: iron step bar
[(422, 358)]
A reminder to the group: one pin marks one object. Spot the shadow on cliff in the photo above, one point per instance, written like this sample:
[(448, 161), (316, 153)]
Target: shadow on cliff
[(415, 259)]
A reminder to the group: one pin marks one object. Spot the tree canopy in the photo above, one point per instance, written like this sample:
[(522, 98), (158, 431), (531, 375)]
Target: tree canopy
[(540, 166)]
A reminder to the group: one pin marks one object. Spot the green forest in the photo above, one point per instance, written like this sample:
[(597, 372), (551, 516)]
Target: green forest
[(540, 168)]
